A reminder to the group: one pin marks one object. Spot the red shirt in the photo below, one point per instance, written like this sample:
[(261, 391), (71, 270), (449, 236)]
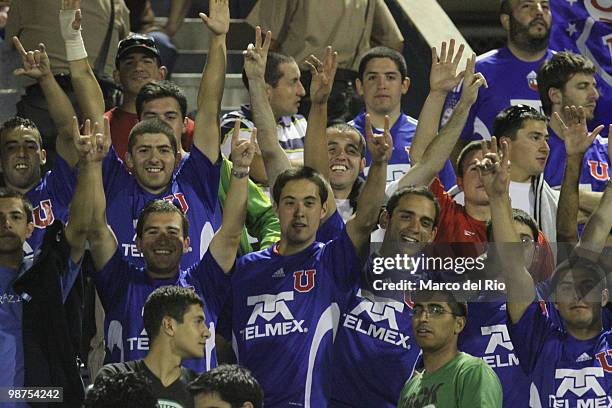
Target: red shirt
[(122, 122)]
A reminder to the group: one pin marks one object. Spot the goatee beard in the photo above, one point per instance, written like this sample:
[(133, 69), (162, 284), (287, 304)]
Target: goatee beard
[(519, 34)]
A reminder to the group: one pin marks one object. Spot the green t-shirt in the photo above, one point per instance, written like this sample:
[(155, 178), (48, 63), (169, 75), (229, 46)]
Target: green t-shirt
[(464, 382)]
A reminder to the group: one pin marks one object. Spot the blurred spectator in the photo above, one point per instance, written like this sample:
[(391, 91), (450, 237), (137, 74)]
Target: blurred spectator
[(226, 386), (302, 27), (4, 8), (121, 390), (142, 20), (35, 21)]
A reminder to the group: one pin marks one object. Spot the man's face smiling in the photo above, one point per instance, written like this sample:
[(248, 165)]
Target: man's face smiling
[(412, 222), (382, 86), (152, 159), (168, 110), (21, 158), (300, 212), (345, 161), (162, 244), (136, 69), (285, 97)]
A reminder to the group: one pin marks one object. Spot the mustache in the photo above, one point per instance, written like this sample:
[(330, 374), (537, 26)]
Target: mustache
[(538, 20)]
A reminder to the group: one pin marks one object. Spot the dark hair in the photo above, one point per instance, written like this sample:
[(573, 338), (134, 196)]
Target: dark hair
[(469, 148), (27, 206), (273, 73), (18, 121), (457, 307), (160, 89), (121, 390), (509, 121), (505, 7), (234, 384), (383, 52), (577, 262), (555, 73), (346, 128), (165, 301), (153, 125), (299, 173), (522, 217), (160, 206), (420, 191)]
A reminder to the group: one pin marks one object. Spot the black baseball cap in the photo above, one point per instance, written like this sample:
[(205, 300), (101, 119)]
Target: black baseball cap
[(133, 41)]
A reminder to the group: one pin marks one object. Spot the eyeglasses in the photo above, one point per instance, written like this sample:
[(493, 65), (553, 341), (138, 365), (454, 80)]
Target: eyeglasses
[(432, 310)]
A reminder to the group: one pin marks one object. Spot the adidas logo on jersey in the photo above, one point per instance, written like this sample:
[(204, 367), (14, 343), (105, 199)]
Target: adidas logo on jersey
[(583, 357), (377, 309), (268, 307), (502, 308), (279, 273)]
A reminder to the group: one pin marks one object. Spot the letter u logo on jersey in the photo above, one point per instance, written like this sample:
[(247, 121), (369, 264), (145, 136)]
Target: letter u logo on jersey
[(298, 280), (599, 170), (46, 208), (603, 360)]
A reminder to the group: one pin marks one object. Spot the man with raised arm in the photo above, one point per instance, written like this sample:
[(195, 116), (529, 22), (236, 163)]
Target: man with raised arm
[(163, 238), (569, 365)]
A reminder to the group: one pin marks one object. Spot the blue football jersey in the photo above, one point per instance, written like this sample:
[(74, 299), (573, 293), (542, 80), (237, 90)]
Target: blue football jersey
[(375, 351), (566, 372), (123, 290), (194, 188), (285, 316), (595, 168), (50, 199), (402, 132), (511, 82), (486, 336)]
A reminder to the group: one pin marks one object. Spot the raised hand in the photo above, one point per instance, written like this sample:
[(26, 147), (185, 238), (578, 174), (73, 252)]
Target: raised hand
[(243, 150), (35, 64), (73, 5), (443, 76), (255, 56), (91, 145), (494, 168), (218, 18), (574, 132), (379, 146), (472, 81), (323, 74)]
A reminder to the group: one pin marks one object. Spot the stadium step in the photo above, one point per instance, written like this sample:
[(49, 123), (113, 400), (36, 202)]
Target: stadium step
[(234, 94)]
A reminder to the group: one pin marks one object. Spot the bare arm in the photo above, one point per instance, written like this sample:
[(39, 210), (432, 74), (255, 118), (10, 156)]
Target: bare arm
[(207, 131), (494, 172), (178, 12), (440, 148), (35, 64), (372, 196), (274, 157), (443, 78), (224, 244), (577, 140)]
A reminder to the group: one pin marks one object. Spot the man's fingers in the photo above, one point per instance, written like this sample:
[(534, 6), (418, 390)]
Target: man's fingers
[(19, 47), (258, 37), (75, 129), (443, 52), (87, 127), (596, 131), (434, 56), (451, 50), (459, 55), (557, 118), (254, 137), (267, 41)]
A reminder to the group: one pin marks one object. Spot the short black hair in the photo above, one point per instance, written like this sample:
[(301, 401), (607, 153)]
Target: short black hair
[(347, 128), (121, 390), (555, 73), (273, 73), (522, 217), (160, 89), (383, 52), (18, 121), (505, 7), (457, 307), (234, 384), (153, 125), (510, 120), (299, 173), (27, 205), (469, 148), (420, 191), (165, 301), (160, 206)]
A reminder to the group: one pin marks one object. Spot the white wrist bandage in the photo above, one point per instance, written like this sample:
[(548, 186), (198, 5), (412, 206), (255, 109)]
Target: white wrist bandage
[(75, 48)]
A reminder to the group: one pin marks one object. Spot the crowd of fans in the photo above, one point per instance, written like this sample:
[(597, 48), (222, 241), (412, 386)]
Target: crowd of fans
[(159, 250)]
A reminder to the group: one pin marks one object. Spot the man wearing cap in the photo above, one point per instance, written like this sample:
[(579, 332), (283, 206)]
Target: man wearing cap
[(138, 62)]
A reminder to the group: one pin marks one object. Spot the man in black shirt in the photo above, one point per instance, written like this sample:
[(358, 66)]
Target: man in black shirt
[(174, 321)]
